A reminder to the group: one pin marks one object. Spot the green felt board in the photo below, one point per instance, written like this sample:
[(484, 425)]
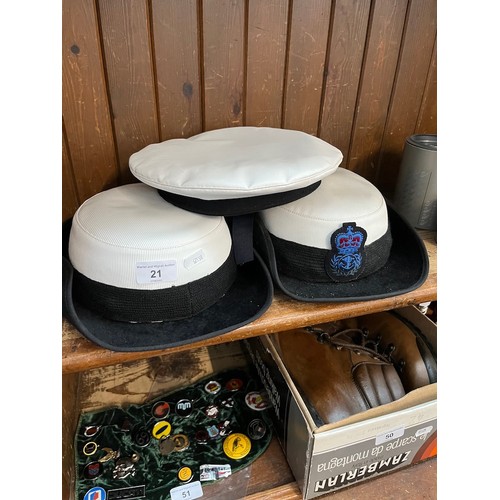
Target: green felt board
[(157, 472)]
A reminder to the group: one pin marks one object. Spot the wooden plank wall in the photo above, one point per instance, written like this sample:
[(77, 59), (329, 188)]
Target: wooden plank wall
[(361, 75)]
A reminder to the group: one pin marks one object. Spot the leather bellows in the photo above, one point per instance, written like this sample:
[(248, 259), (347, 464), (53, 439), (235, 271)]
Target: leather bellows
[(346, 367)]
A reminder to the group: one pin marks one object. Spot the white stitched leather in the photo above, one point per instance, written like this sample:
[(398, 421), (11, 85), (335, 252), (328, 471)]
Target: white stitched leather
[(237, 162)]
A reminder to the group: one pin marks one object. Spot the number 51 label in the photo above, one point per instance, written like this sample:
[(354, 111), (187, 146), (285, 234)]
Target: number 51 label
[(187, 491), (153, 272)]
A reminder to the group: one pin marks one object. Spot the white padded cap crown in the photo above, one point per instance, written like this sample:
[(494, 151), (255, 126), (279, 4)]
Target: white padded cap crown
[(342, 197), (130, 237), (236, 162)]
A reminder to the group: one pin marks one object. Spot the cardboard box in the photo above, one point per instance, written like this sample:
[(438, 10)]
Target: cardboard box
[(326, 458)]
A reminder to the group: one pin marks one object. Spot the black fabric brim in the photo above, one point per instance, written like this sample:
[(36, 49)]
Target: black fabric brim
[(406, 269), (248, 298)]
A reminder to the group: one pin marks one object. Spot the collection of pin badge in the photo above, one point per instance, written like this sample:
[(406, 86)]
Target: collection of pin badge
[(204, 432)]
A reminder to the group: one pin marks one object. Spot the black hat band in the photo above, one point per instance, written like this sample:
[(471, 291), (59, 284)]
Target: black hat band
[(144, 306), (236, 206), (307, 263)]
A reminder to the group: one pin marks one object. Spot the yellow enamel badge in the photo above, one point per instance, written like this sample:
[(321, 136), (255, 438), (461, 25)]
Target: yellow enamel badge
[(161, 429), (237, 446), (185, 474)]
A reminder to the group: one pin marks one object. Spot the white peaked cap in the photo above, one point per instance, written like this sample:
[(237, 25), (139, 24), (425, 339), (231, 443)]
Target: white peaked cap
[(236, 162)]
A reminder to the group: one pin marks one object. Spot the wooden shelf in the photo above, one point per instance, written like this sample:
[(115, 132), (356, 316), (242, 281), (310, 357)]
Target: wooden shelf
[(79, 354), (270, 476)]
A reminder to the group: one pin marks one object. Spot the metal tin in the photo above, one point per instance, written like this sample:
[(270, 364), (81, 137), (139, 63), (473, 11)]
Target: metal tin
[(415, 196)]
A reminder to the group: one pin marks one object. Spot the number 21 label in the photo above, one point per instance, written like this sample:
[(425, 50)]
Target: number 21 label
[(153, 272)]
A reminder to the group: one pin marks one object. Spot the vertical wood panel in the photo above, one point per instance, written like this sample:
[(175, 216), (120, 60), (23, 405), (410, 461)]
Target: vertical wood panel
[(175, 31), (306, 64), (70, 410), (427, 120), (84, 100), (128, 64), (69, 195), (411, 77), (177, 68), (224, 62), (267, 30), (380, 62), (350, 22)]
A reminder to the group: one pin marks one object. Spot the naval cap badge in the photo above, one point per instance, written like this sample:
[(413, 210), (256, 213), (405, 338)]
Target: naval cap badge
[(345, 261)]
